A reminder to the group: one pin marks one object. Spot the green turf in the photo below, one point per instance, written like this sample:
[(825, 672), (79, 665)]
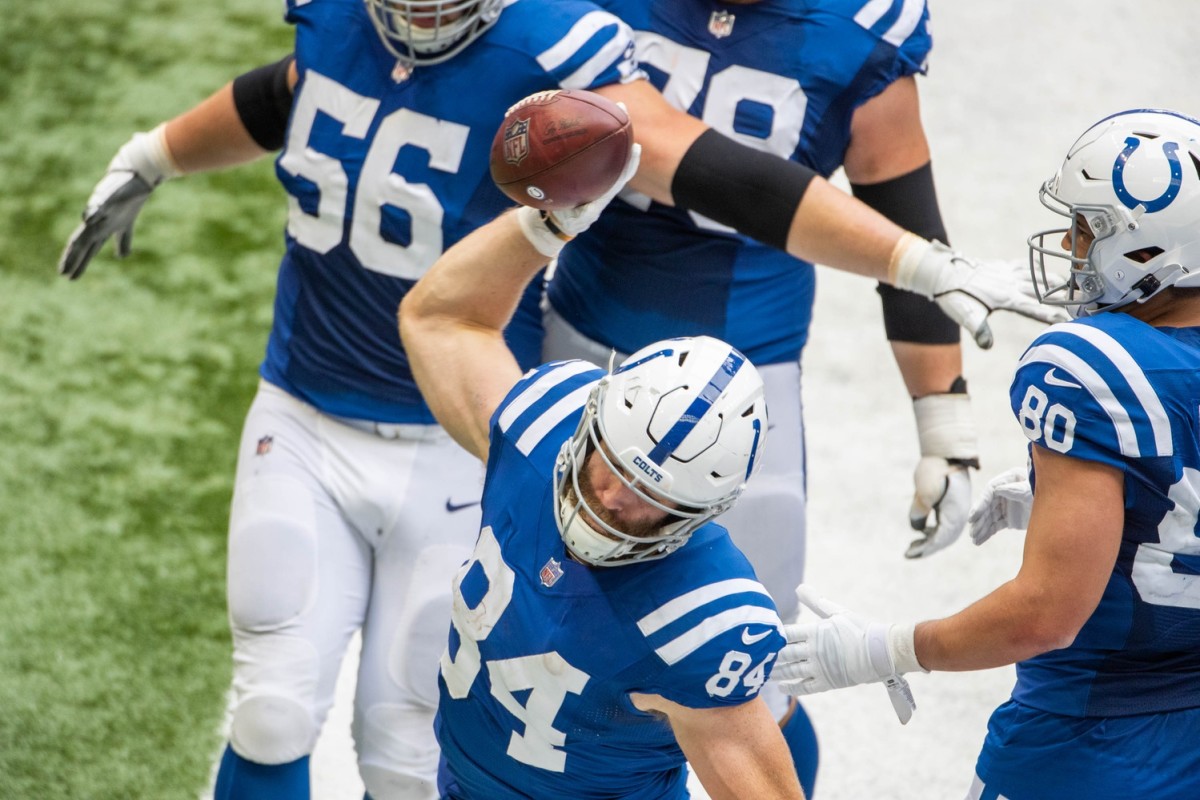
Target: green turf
[(121, 398)]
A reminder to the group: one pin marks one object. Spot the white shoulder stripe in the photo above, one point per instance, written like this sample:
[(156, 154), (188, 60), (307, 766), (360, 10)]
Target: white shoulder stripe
[(581, 32), (571, 404), (902, 28), (537, 390), (872, 12), (906, 23), (681, 646), (1137, 380), (1062, 357), (689, 602), (1160, 424)]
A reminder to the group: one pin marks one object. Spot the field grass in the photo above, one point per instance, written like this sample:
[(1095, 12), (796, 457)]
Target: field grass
[(121, 398)]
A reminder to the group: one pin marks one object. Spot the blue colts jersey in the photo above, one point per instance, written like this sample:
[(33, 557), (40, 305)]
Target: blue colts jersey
[(1115, 390), (784, 77), (544, 651), (385, 170)]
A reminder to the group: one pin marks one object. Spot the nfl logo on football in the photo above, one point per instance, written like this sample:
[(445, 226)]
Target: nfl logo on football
[(720, 24), (516, 141)]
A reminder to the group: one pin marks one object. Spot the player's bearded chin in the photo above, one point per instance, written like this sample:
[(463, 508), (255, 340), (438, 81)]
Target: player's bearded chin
[(636, 530)]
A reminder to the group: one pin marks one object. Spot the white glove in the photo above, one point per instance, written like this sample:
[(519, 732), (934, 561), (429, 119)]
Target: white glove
[(845, 649), (1006, 503), (967, 290), (549, 231), (942, 484), (141, 164)]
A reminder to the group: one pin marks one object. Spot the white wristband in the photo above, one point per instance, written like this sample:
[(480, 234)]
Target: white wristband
[(945, 426), (903, 649), (148, 156), (543, 239), (904, 267)]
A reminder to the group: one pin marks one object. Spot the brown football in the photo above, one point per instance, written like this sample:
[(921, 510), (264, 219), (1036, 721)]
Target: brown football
[(561, 148)]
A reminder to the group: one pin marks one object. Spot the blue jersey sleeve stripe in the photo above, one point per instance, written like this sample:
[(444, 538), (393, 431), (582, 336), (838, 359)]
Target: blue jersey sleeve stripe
[(902, 28), (549, 419), (690, 601), (905, 23), (1059, 356), (608, 56), (687, 643), (695, 412), (1133, 374), (552, 377), (872, 12)]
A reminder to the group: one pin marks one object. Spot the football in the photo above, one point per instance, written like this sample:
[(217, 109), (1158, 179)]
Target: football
[(561, 148)]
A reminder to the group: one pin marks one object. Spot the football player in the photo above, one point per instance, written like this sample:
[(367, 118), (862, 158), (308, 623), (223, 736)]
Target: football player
[(604, 628), (826, 84), (1103, 618), (352, 508)]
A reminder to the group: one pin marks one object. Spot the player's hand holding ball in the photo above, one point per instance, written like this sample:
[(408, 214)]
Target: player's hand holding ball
[(563, 155)]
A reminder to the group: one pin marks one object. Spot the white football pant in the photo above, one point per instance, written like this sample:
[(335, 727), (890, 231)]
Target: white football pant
[(339, 525)]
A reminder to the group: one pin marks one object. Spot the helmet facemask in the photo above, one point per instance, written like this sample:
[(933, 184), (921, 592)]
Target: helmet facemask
[(680, 424), (588, 535), (424, 33), (1081, 286)]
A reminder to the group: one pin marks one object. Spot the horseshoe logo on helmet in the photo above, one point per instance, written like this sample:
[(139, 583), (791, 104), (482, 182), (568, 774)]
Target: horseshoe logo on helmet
[(1170, 150)]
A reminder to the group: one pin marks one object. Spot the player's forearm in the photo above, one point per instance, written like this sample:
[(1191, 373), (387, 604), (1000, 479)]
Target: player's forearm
[(452, 321), (1015, 622), (832, 228), (211, 135)]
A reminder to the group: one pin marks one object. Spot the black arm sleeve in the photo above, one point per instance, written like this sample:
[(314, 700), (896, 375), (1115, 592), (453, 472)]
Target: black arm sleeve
[(754, 192), (264, 102), (910, 201)]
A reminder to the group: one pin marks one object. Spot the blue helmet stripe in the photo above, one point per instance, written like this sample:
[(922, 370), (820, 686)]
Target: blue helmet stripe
[(754, 449), (699, 407), (640, 361)]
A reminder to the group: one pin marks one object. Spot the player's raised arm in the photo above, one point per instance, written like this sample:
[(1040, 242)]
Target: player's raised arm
[(452, 321), (736, 751), (789, 206)]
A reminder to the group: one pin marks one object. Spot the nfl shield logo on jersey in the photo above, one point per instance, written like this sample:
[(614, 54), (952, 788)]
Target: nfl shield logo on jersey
[(551, 573), (516, 141), (720, 24)]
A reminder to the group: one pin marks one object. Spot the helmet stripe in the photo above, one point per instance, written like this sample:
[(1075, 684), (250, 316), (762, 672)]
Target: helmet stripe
[(699, 407)]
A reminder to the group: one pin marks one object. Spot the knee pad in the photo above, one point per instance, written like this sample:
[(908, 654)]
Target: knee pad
[(272, 569), (424, 626), (271, 729), (397, 752)]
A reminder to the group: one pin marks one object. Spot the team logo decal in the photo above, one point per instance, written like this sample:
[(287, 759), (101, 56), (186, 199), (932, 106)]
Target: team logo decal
[(551, 573), (1171, 151), (516, 141), (264, 445), (720, 24)]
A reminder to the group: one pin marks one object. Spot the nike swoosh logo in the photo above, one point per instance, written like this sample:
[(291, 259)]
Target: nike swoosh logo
[(748, 638), (1052, 380), (452, 506)]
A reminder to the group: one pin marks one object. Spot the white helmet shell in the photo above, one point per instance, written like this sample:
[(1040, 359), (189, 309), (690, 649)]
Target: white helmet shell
[(1134, 178), (682, 423)]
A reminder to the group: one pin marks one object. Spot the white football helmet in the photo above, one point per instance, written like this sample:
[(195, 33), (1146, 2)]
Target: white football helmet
[(1134, 178), (433, 31), (681, 423)]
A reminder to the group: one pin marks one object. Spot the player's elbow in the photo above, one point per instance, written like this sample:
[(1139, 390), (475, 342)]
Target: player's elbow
[(413, 318), (1050, 626)]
